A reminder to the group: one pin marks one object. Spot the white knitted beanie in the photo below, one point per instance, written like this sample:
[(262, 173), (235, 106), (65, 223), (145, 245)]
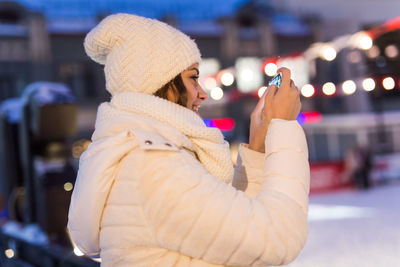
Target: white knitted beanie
[(139, 54)]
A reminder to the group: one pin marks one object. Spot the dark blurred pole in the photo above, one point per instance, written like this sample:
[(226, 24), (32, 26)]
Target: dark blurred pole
[(40, 58), (26, 158), (39, 48), (9, 167), (229, 42), (381, 140), (268, 42)]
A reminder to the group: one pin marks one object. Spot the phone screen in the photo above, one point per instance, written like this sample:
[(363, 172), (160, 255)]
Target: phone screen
[(276, 80)]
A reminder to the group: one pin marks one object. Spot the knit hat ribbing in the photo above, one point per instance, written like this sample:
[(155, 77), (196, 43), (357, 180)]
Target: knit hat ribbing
[(139, 54)]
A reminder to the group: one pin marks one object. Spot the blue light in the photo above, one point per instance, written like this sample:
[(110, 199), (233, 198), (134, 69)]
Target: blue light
[(180, 9), (209, 122), (301, 118)]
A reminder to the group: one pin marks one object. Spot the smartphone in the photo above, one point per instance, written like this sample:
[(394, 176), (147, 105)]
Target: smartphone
[(276, 80)]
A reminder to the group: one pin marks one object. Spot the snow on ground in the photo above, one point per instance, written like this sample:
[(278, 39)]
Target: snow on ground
[(354, 229)]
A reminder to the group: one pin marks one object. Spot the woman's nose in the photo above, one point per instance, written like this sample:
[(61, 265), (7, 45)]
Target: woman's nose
[(202, 94)]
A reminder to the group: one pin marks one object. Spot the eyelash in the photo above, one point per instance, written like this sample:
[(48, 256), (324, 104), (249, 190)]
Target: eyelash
[(195, 78)]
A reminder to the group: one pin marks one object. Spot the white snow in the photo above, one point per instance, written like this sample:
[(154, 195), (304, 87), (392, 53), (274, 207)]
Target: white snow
[(354, 229)]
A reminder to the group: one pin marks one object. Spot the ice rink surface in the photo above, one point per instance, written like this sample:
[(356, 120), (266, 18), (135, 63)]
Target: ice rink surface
[(354, 229)]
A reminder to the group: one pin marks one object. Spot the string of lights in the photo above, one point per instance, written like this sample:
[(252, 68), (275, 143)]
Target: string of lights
[(249, 72)]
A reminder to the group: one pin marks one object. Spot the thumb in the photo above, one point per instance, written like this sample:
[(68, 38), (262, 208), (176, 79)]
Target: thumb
[(286, 74)]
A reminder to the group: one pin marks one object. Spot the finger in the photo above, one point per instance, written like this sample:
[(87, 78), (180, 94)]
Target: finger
[(285, 72), (270, 95), (265, 93), (271, 91), (269, 98), (260, 103)]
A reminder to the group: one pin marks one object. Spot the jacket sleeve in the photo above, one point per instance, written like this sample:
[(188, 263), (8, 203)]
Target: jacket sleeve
[(249, 170), (194, 213)]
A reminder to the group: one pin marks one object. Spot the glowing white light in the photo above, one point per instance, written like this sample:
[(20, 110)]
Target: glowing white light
[(368, 84), (270, 69), (329, 53), (373, 52), (78, 252), (247, 75), (261, 91), (366, 42), (216, 93), (68, 186), (349, 87), (308, 90), (227, 78), (9, 253), (210, 83), (329, 88), (388, 83), (391, 51), (209, 66)]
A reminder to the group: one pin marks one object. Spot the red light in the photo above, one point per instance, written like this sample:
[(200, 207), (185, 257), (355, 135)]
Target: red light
[(312, 117), (267, 61), (225, 124)]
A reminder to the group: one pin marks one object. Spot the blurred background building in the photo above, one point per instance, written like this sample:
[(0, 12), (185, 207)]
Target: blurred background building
[(344, 56)]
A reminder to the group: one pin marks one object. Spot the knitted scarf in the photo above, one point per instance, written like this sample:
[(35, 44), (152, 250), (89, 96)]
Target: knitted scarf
[(176, 123)]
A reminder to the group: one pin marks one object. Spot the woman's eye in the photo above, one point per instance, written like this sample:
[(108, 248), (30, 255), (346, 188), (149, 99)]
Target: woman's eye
[(195, 78)]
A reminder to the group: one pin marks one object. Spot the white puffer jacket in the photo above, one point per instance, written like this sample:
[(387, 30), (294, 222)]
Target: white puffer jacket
[(163, 208)]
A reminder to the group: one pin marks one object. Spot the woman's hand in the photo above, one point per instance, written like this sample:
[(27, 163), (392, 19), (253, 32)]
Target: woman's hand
[(274, 104)]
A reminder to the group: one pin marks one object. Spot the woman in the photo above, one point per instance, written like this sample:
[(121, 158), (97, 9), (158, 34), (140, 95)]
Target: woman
[(157, 187)]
